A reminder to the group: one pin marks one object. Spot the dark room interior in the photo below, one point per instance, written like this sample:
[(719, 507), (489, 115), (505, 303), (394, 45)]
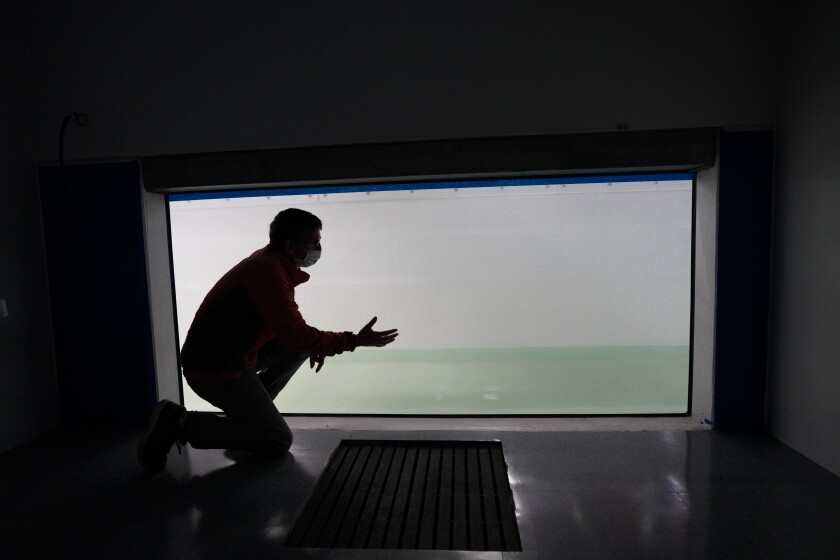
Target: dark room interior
[(110, 108)]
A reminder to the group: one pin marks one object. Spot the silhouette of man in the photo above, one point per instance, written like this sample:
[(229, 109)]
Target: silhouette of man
[(245, 343)]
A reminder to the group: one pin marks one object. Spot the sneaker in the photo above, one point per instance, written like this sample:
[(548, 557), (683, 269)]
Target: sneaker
[(155, 444)]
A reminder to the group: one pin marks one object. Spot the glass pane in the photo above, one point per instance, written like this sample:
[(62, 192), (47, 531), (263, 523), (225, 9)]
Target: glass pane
[(564, 296)]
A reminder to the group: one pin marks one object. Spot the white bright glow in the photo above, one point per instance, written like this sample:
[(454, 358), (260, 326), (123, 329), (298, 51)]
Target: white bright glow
[(545, 266)]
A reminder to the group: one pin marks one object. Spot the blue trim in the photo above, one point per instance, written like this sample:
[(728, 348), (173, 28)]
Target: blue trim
[(331, 189)]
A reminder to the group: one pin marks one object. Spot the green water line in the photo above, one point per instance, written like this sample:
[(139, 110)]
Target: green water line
[(581, 380)]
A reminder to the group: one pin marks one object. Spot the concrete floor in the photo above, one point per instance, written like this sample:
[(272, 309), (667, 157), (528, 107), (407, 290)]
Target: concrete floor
[(579, 494)]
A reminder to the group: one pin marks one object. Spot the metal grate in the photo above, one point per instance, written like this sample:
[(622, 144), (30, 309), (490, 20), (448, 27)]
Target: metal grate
[(443, 495)]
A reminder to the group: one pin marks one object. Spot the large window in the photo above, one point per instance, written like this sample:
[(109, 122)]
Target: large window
[(539, 296)]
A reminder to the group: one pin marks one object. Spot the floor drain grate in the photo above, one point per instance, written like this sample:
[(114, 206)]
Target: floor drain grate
[(442, 495)]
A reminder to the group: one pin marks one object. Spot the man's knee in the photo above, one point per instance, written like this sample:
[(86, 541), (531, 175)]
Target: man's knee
[(298, 358), (278, 442), (273, 353)]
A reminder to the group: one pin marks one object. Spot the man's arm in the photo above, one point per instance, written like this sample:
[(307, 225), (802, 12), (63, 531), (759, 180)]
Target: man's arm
[(366, 337), (273, 295)]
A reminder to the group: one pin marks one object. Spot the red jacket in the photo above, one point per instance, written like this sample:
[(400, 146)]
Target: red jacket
[(253, 303)]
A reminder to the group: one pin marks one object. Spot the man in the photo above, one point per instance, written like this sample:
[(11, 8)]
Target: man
[(246, 341)]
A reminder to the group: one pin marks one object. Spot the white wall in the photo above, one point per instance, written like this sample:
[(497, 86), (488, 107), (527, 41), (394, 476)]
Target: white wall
[(804, 384), (705, 295), (161, 301), (28, 391), (175, 77)]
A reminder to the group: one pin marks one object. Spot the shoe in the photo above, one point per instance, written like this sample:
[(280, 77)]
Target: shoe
[(163, 430)]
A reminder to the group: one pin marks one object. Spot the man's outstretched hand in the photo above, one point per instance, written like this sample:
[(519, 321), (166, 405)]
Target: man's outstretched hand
[(316, 359), (369, 337), (366, 337)]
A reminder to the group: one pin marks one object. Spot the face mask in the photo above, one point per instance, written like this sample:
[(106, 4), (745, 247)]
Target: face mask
[(311, 257)]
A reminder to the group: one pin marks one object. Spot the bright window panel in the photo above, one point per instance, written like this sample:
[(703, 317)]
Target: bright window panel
[(550, 297)]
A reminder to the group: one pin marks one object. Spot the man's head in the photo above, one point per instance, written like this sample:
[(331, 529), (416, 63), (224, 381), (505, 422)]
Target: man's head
[(296, 232)]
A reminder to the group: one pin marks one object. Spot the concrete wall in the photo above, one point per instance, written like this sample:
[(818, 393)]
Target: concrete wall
[(28, 391), (804, 379), (175, 77)]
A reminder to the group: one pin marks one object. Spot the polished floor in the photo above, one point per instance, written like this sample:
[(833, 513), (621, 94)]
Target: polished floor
[(579, 495)]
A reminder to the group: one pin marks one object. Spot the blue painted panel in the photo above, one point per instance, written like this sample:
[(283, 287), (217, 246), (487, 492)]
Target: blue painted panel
[(744, 216), (93, 232)]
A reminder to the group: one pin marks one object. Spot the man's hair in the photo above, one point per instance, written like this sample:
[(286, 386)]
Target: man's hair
[(289, 224)]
